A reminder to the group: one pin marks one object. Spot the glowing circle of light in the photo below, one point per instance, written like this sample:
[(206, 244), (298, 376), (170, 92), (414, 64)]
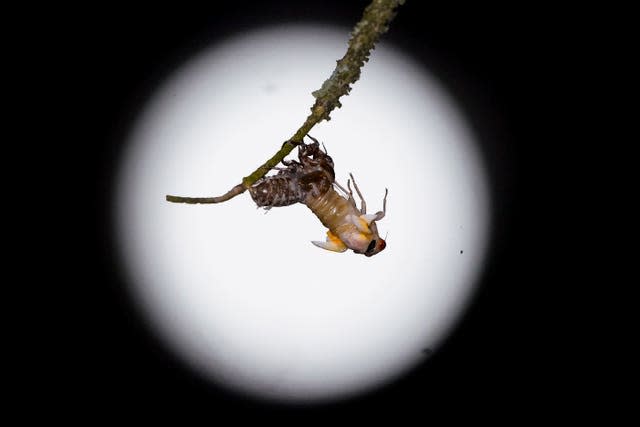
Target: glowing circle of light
[(243, 297)]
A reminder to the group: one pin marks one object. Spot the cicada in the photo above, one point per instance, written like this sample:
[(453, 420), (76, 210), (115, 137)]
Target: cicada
[(311, 181)]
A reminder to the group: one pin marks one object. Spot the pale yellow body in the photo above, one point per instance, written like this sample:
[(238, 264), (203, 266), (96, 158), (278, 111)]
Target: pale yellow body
[(348, 227)]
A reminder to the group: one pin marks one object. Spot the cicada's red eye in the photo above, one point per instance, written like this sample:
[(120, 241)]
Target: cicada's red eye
[(375, 246)]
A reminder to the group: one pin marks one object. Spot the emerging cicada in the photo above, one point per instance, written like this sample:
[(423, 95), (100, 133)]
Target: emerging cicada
[(311, 181)]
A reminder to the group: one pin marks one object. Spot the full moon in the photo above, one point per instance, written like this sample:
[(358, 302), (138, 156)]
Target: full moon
[(239, 294)]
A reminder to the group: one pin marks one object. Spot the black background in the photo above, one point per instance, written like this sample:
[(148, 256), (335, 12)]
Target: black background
[(106, 60)]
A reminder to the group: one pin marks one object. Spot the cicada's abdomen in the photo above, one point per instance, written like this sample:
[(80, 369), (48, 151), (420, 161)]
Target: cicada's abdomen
[(331, 209), (313, 175), (278, 190)]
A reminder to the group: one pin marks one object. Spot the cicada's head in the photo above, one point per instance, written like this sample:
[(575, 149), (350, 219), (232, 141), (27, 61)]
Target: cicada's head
[(357, 234), (377, 243), (364, 238), (375, 246)]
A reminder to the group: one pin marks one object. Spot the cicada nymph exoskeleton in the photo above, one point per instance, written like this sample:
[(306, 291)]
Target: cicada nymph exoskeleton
[(311, 181)]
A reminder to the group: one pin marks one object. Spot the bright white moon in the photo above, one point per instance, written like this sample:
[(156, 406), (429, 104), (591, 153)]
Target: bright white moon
[(243, 297)]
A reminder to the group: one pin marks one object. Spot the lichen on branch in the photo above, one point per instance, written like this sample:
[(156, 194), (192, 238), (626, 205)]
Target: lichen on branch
[(374, 22)]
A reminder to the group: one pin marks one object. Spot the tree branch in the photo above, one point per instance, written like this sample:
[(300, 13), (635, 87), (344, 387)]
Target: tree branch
[(374, 22), (238, 189)]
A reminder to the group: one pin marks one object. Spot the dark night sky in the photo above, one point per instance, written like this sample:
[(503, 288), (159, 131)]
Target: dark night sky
[(107, 59)]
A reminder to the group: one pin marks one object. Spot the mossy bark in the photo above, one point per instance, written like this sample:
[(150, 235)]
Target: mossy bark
[(374, 22)]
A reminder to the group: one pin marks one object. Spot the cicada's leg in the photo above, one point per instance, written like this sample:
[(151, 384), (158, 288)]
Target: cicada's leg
[(380, 215), (309, 149), (363, 208), (351, 198), (346, 192), (318, 144), (308, 154), (294, 143), (369, 219), (313, 139)]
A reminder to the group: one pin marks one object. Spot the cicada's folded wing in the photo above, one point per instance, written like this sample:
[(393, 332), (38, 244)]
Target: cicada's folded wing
[(333, 243)]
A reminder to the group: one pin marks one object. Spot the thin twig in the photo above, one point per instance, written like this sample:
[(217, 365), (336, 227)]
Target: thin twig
[(365, 34), (238, 189)]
